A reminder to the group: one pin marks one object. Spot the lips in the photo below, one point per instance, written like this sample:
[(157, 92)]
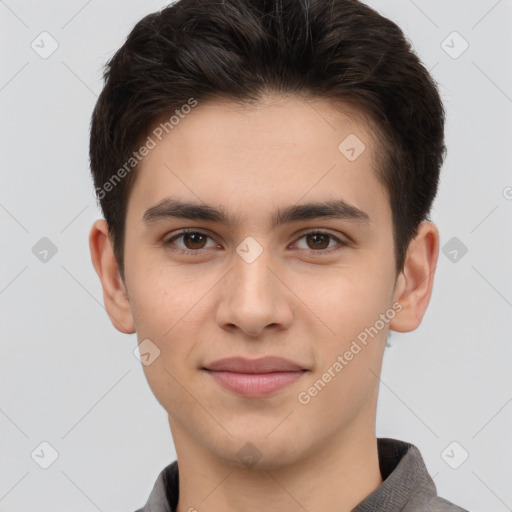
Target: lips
[(255, 377), (262, 365)]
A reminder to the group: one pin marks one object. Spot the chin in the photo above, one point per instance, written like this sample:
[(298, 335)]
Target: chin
[(259, 452)]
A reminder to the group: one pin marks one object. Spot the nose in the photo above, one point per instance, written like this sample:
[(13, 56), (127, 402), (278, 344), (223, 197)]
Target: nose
[(254, 297)]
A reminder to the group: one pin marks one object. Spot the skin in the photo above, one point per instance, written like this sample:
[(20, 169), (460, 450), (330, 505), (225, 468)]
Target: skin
[(293, 301)]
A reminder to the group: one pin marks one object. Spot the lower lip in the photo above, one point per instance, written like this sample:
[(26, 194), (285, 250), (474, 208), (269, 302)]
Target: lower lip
[(255, 384)]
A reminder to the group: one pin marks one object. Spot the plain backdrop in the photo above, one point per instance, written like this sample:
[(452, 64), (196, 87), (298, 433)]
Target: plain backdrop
[(69, 379)]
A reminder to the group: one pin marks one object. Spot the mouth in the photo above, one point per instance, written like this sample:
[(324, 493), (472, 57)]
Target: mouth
[(255, 377)]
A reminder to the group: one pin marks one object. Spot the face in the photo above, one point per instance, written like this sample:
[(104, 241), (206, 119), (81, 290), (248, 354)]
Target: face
[(261, 271)]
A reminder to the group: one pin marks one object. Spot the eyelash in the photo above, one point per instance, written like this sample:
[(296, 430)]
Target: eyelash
[(168, 243)]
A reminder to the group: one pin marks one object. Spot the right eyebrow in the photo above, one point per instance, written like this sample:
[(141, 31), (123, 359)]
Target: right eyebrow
[(175, 208)]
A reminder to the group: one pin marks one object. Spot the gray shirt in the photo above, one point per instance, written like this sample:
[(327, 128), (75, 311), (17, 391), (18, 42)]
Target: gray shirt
[(406, 486)]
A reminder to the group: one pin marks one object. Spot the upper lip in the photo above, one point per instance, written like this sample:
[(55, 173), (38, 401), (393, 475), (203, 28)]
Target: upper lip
[(262, 365)]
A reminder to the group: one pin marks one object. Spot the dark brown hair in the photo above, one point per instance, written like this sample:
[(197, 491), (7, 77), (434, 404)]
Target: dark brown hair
[(196, 50)]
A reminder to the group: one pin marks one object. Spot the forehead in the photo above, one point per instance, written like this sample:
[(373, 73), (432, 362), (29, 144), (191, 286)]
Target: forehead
[(288, 125), (281, 150)]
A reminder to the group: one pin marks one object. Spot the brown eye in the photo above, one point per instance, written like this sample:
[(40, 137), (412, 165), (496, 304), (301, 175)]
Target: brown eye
[(318, 240), (189, 242), (194, 240)]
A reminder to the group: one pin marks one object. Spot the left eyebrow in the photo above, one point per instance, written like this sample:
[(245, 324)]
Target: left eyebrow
[(336, 209), (175, 208)]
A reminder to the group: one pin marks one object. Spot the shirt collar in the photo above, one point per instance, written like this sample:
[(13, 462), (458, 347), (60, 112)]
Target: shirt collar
[(406, 483)]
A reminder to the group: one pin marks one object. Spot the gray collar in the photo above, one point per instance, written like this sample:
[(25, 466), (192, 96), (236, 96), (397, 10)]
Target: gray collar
[(406, 485)]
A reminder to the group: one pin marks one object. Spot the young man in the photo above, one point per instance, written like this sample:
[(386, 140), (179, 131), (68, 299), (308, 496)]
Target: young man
[(266, 169)]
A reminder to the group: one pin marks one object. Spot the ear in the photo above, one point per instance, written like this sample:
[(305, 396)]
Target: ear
[(415, 282), (115, 295)]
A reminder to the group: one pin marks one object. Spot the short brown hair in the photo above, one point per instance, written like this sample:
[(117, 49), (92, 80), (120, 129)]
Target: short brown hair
[(241, 49)]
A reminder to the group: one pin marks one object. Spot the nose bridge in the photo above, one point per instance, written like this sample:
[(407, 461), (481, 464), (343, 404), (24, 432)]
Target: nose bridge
[(252, 279), (254, 297)]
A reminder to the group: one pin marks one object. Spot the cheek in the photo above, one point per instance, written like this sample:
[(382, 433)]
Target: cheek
[(162, 296), (344, 382), (352, 308), (170, 308), (347, 299), (168, 313)]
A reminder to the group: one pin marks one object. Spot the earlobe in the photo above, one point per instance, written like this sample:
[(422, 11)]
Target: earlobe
[(415, 282), (115, 296)]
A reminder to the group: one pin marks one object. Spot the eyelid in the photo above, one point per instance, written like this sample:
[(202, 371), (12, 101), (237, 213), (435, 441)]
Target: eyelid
[(341, 243), (308, 231), (167, 241), (340, 237)]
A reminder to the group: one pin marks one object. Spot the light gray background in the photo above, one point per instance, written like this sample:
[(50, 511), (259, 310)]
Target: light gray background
[(69, 378)]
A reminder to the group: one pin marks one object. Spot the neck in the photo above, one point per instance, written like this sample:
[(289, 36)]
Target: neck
[(340, 474)]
